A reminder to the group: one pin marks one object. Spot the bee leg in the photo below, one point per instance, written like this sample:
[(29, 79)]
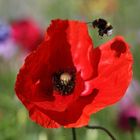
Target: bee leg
[(101, 33)]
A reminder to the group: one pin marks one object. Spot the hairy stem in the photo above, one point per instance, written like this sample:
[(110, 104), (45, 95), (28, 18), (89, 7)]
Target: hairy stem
[(102, 128), (74, 133)]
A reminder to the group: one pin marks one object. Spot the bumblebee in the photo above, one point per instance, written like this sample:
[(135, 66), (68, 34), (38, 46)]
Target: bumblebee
[(103, 26)]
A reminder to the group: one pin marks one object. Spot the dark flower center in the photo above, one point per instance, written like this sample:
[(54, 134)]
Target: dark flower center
[(64, 82)]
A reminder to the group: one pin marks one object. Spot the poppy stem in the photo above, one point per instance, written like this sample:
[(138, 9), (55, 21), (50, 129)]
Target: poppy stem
[(102, 128), (74, 133)]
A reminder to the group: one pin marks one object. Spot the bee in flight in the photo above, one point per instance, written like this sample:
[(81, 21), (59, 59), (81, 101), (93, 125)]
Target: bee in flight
[(103, 26)]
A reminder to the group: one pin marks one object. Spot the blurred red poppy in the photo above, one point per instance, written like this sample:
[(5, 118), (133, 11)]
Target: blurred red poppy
[(27, 33), (66, 79)]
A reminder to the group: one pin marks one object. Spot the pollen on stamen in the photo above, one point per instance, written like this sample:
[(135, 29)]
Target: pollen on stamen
[(65, 78), (64, 82)]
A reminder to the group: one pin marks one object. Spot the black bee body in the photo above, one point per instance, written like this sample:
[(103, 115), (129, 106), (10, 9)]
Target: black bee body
[(103, 26)]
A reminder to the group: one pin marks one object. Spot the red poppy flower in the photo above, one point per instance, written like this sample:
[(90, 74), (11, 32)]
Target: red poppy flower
[(65, 80), (27, 33)]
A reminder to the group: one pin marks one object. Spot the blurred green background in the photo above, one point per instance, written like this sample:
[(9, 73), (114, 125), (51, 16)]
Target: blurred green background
[(122, 14)]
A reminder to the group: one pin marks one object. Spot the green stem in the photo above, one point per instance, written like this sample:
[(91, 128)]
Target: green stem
[(74, 133), (102, 128)]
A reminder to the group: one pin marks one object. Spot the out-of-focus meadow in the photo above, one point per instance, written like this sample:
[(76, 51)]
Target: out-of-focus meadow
[(14, 14)]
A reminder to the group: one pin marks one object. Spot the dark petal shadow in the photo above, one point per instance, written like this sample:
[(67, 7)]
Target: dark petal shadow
[(96, 55), (119, 47), (74, 111)]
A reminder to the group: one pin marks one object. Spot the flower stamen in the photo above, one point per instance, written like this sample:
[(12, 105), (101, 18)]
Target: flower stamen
[(64, 82), (65, 78)]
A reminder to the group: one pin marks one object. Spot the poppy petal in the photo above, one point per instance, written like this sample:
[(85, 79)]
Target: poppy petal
[(42, 119), (115, 74), (73, 35)]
